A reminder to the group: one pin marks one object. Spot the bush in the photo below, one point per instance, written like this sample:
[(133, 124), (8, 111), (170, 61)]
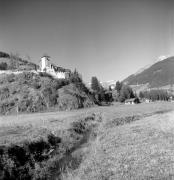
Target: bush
[(28, 160), (68, 102), (4, 55), (7, 106), (11, 78), (4, 93), (31, 102), (71, 97), (18, 155), (53, 140), (37, 149), (79, 127), (3, 66), (44, 74)]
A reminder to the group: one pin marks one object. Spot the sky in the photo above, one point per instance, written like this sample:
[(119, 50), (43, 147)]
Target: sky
[(109, 39)]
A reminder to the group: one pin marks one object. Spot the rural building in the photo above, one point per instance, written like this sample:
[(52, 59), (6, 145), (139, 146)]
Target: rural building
[(55, 71), (147, 100), (132, 101)]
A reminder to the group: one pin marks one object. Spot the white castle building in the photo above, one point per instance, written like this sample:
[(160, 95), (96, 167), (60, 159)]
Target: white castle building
[(55, 71)]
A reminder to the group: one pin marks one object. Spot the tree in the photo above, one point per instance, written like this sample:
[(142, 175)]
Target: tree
[(118, 86), (95, 84), (155, 95), (141, 94), (75, 77), (110, 89), (126, 92)]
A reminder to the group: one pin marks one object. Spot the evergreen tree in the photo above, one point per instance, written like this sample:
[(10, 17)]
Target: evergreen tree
[(155, 95), (118, 86), (75, 77), (141, 94), (110, 89), (95, 84)]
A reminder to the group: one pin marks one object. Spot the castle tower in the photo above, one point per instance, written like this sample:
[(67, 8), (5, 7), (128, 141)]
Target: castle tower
[(44, 63)]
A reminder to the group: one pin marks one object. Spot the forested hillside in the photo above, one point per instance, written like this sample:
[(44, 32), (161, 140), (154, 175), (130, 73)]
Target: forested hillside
[(158, 75), (30, 92), (33, 92)]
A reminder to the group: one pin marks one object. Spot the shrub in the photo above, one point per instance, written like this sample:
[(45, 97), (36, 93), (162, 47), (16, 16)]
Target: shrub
[(68, 102), (3, 66), (7, 106), (44, 74), (71, 97), (4, 93), (4, 55), (37, 149), (10, 78), (18, 155), (79, 127), (50, 95), (53, 140)]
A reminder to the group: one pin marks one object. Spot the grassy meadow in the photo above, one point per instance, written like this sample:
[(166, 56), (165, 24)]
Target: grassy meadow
[(26, 126), (142, 149), (125, 142)]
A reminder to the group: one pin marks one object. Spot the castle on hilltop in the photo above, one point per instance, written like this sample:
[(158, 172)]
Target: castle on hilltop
[(55, 71)]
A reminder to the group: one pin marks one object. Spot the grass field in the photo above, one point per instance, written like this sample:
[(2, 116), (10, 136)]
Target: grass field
[(14, 128), (131, 141), (143, 149)]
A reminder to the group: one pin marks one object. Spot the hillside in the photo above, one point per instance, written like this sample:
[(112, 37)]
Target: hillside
[(30, 91), (158, 75), (14, 62)]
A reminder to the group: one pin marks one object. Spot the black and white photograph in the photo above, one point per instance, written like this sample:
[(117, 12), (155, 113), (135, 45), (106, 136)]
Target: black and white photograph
[(86, 89)]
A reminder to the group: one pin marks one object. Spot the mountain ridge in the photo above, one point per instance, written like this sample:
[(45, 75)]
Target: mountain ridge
[(157, 75)]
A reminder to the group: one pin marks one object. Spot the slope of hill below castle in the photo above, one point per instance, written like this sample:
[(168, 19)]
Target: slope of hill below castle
[(30, 92), (23, 90)]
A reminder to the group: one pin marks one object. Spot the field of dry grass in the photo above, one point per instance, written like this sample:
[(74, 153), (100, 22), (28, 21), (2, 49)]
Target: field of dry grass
[(142, 149), (14, 128), (131, 141)]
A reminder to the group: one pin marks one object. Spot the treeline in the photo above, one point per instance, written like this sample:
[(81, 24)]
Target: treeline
[(155, 95), (99, 93), (123, 92), (120, 93)]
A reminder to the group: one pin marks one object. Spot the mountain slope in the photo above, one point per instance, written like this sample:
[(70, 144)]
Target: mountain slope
[(158, 75)]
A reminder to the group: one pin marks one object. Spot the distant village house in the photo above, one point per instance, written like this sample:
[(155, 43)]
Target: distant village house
[(132, 101)]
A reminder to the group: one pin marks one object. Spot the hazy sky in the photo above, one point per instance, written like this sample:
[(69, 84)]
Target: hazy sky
[(109, 39)]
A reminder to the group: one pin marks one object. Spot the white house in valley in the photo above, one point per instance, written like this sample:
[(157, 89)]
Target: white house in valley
[(55, 71)]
